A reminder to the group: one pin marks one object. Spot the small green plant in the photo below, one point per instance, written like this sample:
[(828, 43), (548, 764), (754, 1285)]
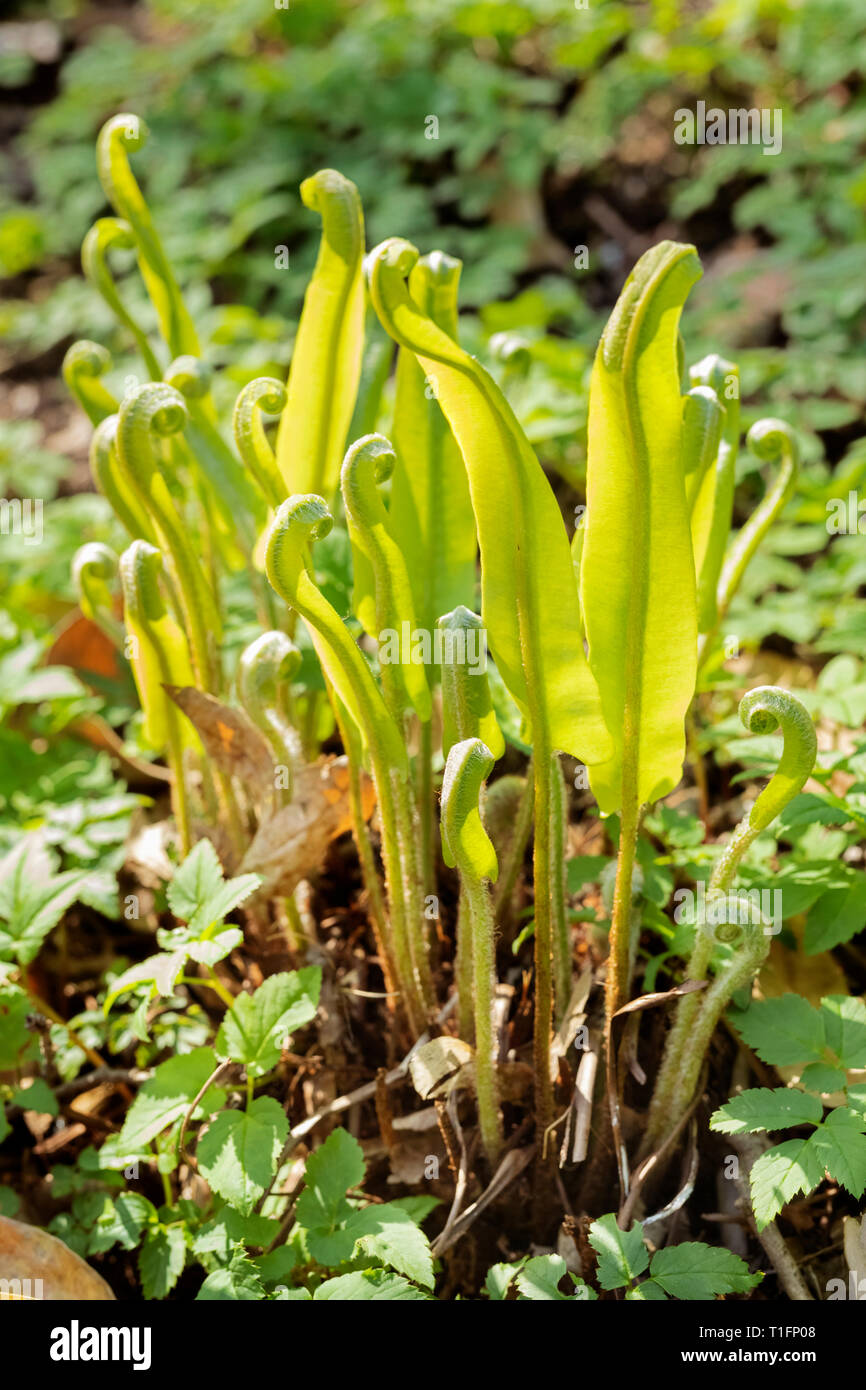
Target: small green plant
[(824, 1044), (283, 595), (690, 1270)]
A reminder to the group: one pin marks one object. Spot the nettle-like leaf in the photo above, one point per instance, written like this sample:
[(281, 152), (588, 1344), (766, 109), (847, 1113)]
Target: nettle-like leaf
[(198, 893), (539, 1281), (238, 1281), (779, 1174), (161, 1259), (200, 896), (762, 1108), (369, 1286), (622, 1255), (33, 897), (637, 571), (256, 1028), (788, 1030), (239, 1151), (168, 1095), (693, 1270), (689, 1271), (336, 1231)]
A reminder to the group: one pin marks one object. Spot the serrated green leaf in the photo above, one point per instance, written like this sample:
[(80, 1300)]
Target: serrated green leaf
[(844, 1020), (168, 1095), (762, 1108), (693, 1270), (539, 1279), (161, 1260), (237, 1282), (840, 1146), (837, 916), (779, 1174), (331, 1172), (255, 1029), (198, 894), (622, 1255), (239, 1152), (500, 1277), (369, 1285), (388, 1234), (121, 1223), (822, 1078), (161, 972), (33, 897), (783, 1031)]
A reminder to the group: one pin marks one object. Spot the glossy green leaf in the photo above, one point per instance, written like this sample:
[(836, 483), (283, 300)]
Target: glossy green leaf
[(637, 573), (528, 592), (326, 360), (430, 513)]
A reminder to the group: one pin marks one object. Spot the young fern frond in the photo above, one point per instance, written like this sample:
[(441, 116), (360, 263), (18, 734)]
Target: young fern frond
[(106, 234), (723, 378), (466, 845), (761, 711), (528, 592), (298, 522), (154, 412), (266, 669), (111, 480), (236, 496), (83, 366), (264, 394), (467, 713), (772, 441), (94, 566), (158, 651), (326, 359), (368, 464), (121, 136)]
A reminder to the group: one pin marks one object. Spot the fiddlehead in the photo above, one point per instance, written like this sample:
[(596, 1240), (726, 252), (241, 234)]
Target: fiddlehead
[(94, 567), (85, 362), (299, 521), (266, 667), (158, 652), (110, 479), (264, 394), (106, 234), (467, 713), (121, 136), (369, 463), (467, 709), (723, 378), (773, 441), (234, 496), (466, 844), (761, 710), (153, 412)]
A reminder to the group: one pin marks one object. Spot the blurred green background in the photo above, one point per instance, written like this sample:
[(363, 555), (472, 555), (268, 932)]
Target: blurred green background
[(555, 131)]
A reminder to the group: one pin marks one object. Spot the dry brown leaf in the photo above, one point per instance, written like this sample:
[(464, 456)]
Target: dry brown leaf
[(292, 844), (26, 1253), (436, 1067), (230, 738)]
